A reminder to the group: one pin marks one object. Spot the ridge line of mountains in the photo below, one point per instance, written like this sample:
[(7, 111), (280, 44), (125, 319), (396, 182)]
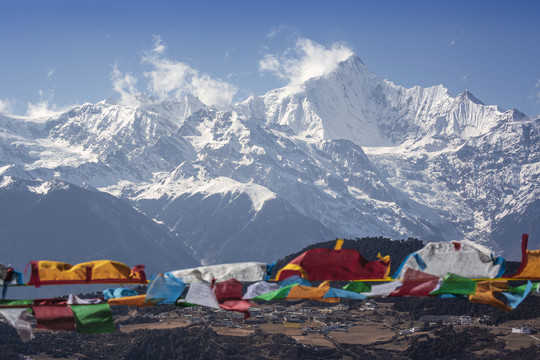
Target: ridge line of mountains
[(346, 154)]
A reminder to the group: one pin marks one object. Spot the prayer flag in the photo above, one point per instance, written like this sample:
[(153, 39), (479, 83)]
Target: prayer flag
[(530, 262), (93, 319), (417, 283), (138, 300), (383, 289), (259, 288), (358, 287), (112, 293), (332, 264), (201, 294), (275, 295), (100, 271), (463, 258), (247, 271), (164, 289), (485, 293), (54, 317), (228, 290), (455, 285), (17, 318)]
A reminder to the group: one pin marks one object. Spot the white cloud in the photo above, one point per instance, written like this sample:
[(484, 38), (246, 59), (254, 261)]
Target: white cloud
[(159, 45), (44, 108), (212, 91), (307, 60), (124, 84), (276, 31), (50, 74), (6, 106), (452, 42), (173, 78)]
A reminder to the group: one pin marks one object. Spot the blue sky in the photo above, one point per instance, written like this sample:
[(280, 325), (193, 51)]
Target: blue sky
[(59, 53)]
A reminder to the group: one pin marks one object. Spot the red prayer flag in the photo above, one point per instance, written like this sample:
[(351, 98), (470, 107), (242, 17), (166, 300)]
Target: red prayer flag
[(333, 264), (54, 317), (228, 290), (416, 283)]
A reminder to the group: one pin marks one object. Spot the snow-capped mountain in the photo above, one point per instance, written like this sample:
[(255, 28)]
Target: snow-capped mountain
[(55, 220), (346, 154)]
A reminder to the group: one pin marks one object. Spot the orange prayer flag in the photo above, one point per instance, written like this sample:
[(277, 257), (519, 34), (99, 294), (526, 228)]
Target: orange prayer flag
[(99, 271), (530, 262), (485, 293), (138, 300)]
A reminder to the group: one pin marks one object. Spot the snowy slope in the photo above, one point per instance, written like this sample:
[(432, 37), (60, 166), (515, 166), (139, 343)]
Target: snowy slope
[(345, 154)]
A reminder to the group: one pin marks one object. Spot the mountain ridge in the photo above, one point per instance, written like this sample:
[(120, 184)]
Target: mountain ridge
[(345, 154)]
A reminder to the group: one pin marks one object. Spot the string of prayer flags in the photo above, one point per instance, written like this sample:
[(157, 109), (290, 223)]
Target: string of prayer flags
[(463, 258), (100, 271)]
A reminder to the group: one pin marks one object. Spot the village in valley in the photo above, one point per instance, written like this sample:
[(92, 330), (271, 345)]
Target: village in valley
[(369, 323)]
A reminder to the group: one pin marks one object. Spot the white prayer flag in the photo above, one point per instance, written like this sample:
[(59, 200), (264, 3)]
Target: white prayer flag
[(200, 293), (17, 319), (259, 288)]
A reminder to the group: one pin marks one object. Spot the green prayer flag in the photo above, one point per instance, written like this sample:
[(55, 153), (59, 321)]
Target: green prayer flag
[(521, 289), (357, 287), (181, 302), (17, 303), (93, 319), (456, 285), (275, 295)]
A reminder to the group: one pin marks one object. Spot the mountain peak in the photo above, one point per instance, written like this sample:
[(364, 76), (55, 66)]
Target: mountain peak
[(469, 96)]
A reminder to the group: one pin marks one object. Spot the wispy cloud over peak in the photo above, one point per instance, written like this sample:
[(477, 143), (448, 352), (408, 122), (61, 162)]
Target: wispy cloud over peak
[(6, 106), (168, 78), (124, 84), (306, 60), (45, 107)]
